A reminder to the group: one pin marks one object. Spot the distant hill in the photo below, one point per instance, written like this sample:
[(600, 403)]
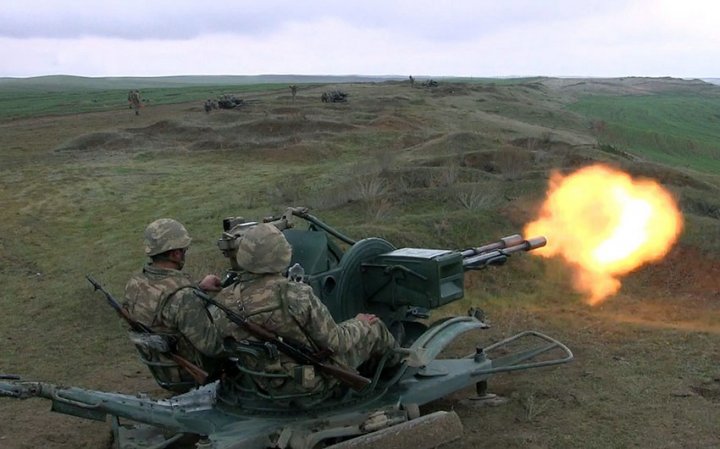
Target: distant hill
[(64, 82), (712, 80)]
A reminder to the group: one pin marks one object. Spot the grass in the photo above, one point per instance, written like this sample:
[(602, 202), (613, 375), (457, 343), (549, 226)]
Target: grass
[(670, 128), (15, 103), (440, 174)]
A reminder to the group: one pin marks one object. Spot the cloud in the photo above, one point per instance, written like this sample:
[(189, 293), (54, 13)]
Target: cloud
[(186, 19), (480, 38)]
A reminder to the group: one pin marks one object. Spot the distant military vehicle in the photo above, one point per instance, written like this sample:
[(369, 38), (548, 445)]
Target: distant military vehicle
[(229, 102), (334, 96), (401, 286)]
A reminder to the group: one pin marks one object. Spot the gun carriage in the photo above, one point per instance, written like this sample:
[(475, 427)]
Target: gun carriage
[(400, 285)]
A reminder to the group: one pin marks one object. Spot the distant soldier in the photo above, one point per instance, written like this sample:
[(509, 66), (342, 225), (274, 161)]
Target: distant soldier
[(208, 106), (412, 81), (293, 91), (134, 100)]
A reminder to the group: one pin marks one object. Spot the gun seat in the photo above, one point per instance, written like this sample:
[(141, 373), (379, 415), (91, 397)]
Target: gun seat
[(152, 350), (257, 377)]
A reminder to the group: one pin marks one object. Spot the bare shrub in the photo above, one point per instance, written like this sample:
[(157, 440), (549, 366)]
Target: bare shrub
[(445, 177), (534, 406), (512, 161), (370, 187), (476, 198), (288, 190), (385, 160), (399, 184), (378, 208), (367, 187)]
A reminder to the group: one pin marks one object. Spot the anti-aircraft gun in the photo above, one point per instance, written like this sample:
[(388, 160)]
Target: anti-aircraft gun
[(402, 286)]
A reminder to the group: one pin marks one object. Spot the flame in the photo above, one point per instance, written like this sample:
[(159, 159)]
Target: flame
[(605, 224)]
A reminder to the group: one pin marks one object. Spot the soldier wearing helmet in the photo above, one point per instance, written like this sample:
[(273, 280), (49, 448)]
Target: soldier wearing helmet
[(163, 297), (291, 310)]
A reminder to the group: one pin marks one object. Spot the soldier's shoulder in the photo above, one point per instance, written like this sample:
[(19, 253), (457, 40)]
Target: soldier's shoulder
[(137, 280), (297, 290)]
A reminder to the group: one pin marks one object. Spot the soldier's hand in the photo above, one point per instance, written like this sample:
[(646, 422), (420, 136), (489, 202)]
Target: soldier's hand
[(210, 283), (367, 317)]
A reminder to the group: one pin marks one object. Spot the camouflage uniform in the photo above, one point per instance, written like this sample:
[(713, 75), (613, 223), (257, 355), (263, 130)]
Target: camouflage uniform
[(292, 310), (134, 101), (164, 300)]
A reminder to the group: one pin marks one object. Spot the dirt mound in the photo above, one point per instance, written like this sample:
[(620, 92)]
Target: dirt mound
[(684, 272), (625, 86), (393, 123), (454, 143), (174, 130), (709, 390), (667, 175), (274, 127), (452, 89), (287, 111), (104, 141)]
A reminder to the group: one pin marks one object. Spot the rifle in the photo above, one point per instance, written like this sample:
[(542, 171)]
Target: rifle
[(295, 350), (198, 374)]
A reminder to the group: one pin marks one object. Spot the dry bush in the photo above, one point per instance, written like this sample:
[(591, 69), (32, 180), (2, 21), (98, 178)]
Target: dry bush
[(370, 187), (512, 161), (385, 160), (288, 190), (378, 208), (533, 406), (476, 198), (445, 177)]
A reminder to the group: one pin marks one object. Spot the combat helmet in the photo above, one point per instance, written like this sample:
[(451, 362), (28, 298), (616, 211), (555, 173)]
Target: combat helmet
[(263, 249), (165, 234)]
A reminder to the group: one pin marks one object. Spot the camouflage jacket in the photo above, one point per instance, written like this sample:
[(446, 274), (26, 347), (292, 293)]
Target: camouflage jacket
[(291, 310), (164, 300)]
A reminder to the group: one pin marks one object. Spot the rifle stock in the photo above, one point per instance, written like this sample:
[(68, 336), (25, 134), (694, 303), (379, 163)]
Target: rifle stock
[(293, 350), (198, 374)]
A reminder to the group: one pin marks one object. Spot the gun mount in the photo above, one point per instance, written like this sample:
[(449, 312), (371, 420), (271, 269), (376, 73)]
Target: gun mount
[(402, 286)]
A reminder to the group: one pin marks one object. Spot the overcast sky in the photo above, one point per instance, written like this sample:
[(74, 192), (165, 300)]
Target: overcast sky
[(678, 38)]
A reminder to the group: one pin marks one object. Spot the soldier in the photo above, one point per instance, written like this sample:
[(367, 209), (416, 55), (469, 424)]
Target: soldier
[(135, 101), (293, 91), (162, 297), (291, 310)]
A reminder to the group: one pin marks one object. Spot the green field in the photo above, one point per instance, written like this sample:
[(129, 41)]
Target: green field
[(675, 129), (20, 103), (451, 167)]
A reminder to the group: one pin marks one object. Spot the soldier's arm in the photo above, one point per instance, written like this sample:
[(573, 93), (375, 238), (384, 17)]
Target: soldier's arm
[(318, 323), (204, 330)]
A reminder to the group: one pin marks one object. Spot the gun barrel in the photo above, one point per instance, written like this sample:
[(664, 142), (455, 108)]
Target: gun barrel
[(505, 242), (96, 405), (14, 388), (498, 256)]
